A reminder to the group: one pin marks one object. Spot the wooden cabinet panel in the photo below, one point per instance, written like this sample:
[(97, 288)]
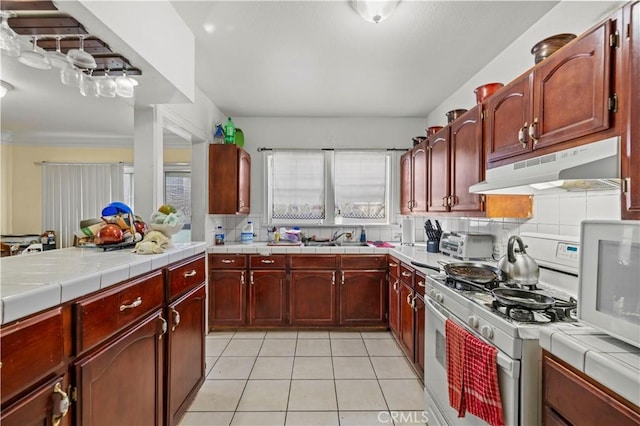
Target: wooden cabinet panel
[(185, 351), (419, 177), (227, 297), (419, 283), (267, 297), (580, 402), (312, 298), (467, 161), (313, 261), (273, 261), (394, 305), (571, 90), (227, 261), (31, 350), (631, 147), (438, 165), (551, 418), (507, 120), (406, 315), (40, 406), (121, 383), (407, 274), (102, 315), (394, 266), (419, 309), (363, 298), (229, 179), (185, 275), (363, 261), (406, 183)]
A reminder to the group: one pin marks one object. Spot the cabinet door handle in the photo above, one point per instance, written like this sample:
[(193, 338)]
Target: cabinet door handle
[(342, 282), (522, 135), (532, 131), (61, 406), (251, 277), (406, 274), (163, 326), (268, 261), (191, 273), (395, 286), (409, 300), (444, 201), (413, 303), (132, 305), (242, 278), (176, 319), (228, 261), (333, 278)]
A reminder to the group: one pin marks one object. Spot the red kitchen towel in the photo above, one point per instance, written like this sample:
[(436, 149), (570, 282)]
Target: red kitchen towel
[(480, 378), (455, 337)]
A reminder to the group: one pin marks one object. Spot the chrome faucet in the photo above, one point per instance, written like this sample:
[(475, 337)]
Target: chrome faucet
[(337, 235)]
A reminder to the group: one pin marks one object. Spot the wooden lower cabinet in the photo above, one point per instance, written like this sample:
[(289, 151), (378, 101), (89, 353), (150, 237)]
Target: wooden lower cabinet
[(363, 298), (419, 310), (121, 383), (312, 296), (43, 406), (394, 306), (267, 297), (227, 297), (185, 351), (406, 315), (572, 398)]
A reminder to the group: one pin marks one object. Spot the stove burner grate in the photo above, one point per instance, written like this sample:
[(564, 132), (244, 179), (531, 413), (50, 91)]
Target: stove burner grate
[(551, 314)]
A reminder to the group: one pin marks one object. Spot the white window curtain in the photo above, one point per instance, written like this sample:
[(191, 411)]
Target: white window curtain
[(297, 185), (361, 184), (73, 192)]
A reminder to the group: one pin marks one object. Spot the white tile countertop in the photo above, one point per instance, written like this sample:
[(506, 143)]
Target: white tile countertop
[(33, 282), (606, 359), (405, 253)]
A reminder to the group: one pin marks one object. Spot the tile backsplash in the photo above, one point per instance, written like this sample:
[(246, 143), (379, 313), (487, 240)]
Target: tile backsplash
[(553, 213)]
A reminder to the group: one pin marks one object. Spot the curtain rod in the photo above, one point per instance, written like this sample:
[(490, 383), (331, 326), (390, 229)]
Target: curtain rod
[(260, 149)]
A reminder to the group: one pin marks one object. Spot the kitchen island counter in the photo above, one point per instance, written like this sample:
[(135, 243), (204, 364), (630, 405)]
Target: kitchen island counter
[(33, 282)]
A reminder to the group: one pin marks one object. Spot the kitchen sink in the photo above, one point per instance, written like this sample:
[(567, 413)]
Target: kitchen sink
[(353, 243), (321, 243)]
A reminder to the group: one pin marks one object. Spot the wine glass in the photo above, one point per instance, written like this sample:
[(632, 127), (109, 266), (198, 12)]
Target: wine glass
[(81, 58), (36, 58), (57, 58), (107, 86), (70, 75), (88, 86), (124, 86), (9, 41)]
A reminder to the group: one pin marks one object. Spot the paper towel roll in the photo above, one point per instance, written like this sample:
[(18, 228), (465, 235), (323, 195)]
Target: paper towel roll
[(408, 231)]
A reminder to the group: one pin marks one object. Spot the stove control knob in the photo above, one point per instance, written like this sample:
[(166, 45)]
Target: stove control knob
[(487, 331), (473, 321), (439, 297)]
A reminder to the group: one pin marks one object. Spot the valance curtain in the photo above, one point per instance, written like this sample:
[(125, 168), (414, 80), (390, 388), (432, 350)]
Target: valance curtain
[(73, 192), (298, 185), (360, 184)]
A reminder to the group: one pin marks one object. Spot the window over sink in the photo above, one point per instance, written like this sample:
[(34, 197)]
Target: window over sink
[(327, 186)]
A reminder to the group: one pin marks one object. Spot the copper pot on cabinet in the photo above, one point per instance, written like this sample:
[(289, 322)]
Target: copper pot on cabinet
[(486, 90), (544, 48), (454, 113), (433, 130)]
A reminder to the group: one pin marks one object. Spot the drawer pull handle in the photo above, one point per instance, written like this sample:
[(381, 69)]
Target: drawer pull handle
[(176, 319), (191, 273), (135, 304), (268, 261), (392, 265), (163, 327), (420, 283), (228, 261), (61, 407), (406, 274)]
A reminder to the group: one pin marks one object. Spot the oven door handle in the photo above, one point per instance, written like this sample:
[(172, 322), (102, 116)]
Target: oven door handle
[(507, 365)]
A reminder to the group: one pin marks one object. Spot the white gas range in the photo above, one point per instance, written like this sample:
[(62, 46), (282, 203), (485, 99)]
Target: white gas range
[(519, 353)]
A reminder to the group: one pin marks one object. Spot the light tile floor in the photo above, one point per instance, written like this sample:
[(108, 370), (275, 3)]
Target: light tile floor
[(306, 378)]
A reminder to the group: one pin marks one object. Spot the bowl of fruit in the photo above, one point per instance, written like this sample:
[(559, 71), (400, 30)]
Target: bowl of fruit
[(168, 220)]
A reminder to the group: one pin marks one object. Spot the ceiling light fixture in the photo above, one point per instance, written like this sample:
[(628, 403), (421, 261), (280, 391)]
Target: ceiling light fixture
[(4, 88), (374, 10)]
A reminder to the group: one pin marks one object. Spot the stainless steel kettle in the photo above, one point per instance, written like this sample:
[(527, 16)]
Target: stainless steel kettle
[(519, 268)]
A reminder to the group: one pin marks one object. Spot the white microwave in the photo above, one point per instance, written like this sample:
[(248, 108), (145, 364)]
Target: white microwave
[(609, 289)]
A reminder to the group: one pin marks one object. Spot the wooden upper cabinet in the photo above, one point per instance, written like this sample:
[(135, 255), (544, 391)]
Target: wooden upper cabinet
[(467, 161), (413, 180), (406, 183), (631, 150), (507, 118), (438, 166), (572, 88), (229, 179)]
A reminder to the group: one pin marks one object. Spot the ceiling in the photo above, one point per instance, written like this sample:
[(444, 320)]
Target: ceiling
[(293, 59)]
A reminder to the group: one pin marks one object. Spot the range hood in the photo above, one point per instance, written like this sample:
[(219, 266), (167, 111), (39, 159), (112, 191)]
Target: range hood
[(595, 166)]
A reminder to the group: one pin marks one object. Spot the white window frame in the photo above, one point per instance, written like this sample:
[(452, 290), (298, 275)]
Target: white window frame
[(331, 217)]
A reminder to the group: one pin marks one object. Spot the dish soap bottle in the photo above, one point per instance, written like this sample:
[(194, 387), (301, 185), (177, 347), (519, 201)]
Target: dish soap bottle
[(363, 235), (229, 131)]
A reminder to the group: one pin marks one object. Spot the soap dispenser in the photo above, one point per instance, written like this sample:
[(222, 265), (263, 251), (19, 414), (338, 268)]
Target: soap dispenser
[(363, 235)]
